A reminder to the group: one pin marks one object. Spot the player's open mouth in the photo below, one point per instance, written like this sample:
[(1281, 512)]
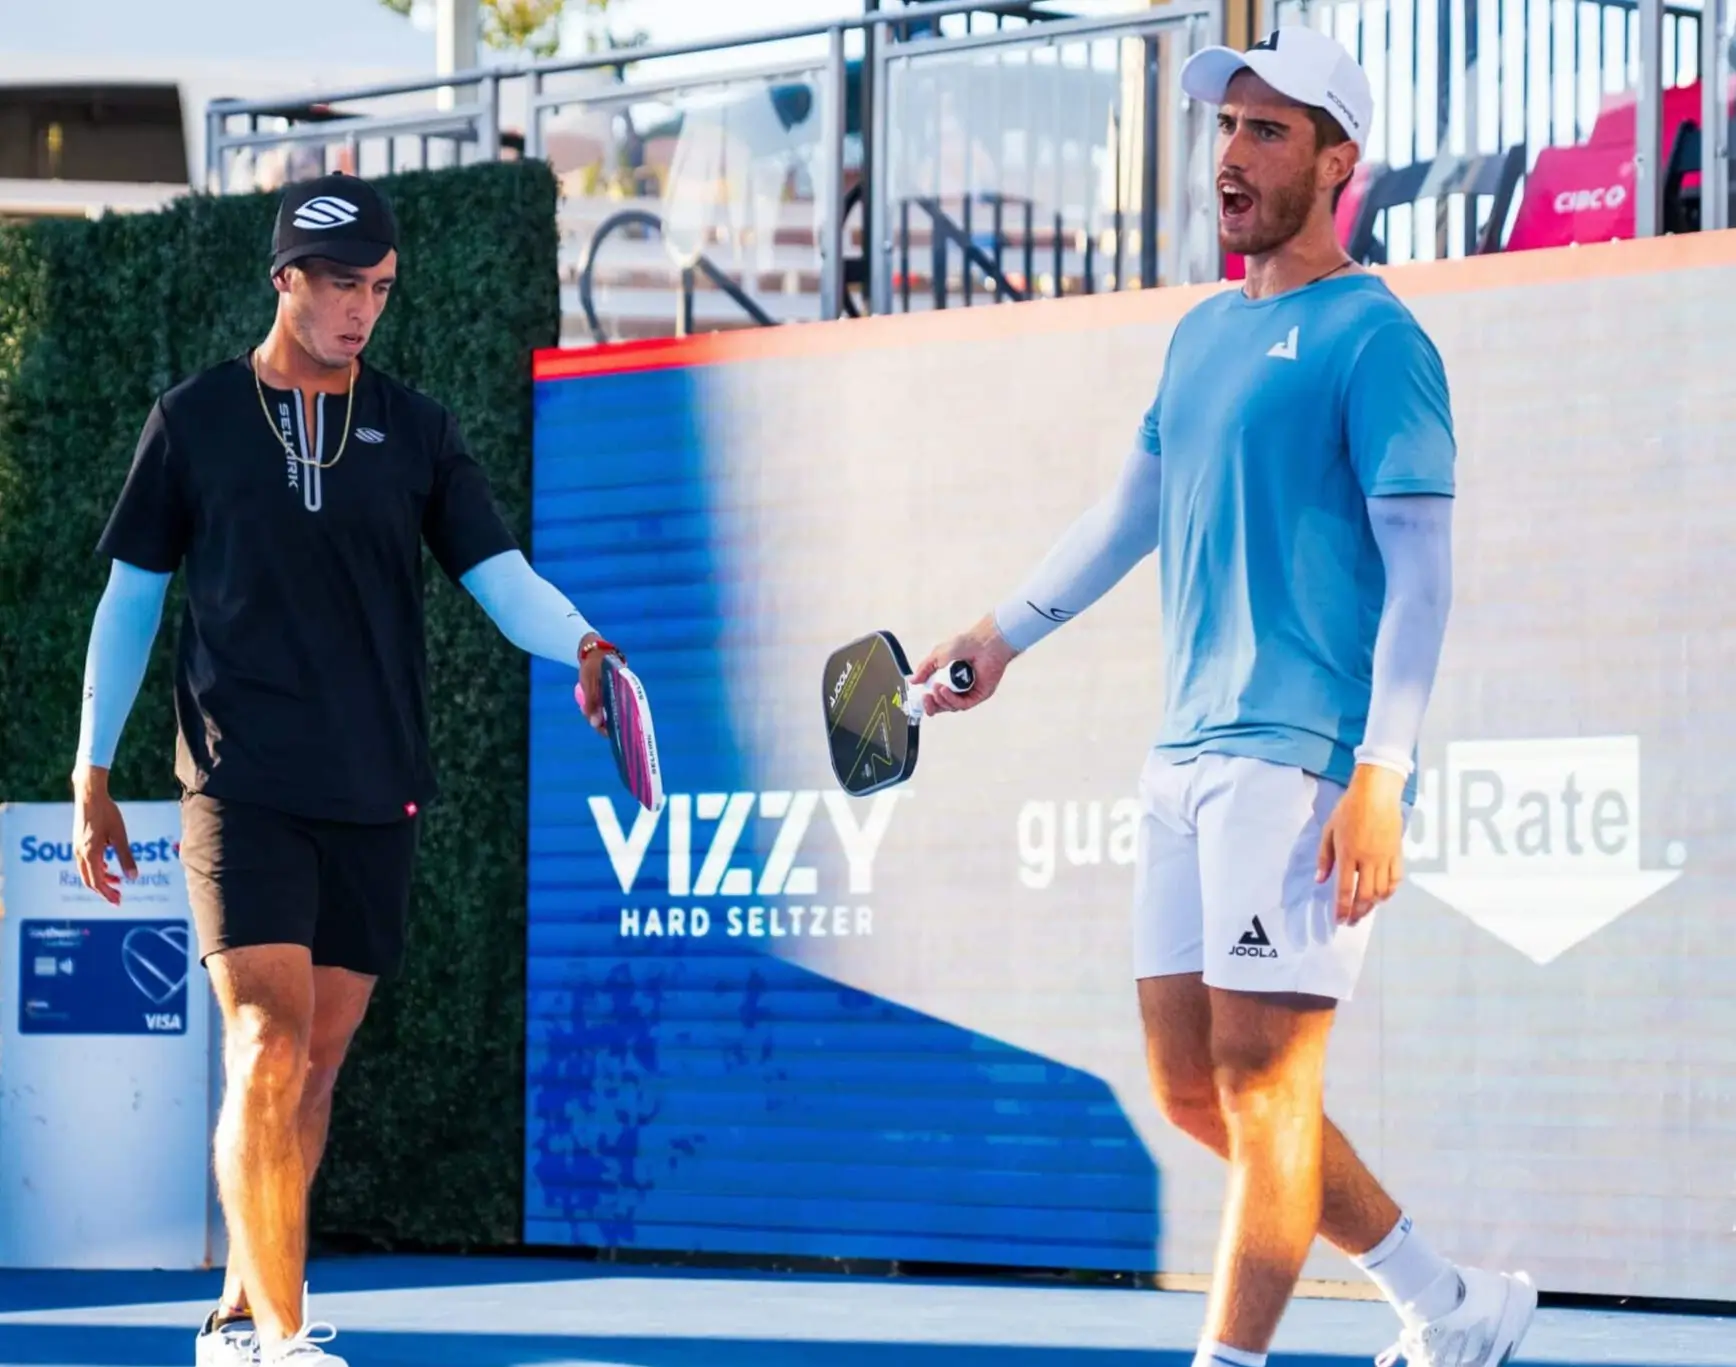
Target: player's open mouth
[(1234, 204)]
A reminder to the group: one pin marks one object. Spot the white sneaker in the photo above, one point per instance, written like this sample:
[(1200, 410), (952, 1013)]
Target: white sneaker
[(230, 1344), (304, 1349), (1483, 1331)]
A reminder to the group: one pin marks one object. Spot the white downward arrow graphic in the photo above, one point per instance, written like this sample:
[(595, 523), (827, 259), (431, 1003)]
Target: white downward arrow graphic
[(1539, 839), (1543, 917)]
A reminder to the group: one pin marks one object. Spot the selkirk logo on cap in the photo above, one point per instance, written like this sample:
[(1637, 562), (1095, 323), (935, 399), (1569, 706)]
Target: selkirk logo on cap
[(339, 218), (1308, 66), (327, 211)]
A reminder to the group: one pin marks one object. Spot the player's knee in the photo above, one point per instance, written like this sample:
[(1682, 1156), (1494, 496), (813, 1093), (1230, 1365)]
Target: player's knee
[(1270, 1053), (1187, 1097), (266, 1060), (1249, 1074), (324, 1061)]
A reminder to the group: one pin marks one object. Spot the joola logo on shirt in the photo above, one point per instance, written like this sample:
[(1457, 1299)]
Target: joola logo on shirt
[(705, 883), (1538, 840)]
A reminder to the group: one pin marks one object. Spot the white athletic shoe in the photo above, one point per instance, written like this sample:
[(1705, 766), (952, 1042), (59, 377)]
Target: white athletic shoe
[(304, 1349), (1483, 1331), (231, 1344)]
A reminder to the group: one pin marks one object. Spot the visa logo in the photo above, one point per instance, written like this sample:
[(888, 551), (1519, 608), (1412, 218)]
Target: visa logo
[(163, 1020)]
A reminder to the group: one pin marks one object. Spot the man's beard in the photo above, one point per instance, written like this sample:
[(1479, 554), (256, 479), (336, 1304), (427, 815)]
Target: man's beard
[(1281, 214)]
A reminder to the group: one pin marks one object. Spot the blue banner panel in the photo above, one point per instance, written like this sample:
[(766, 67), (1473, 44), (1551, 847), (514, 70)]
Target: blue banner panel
[(724, 1049)]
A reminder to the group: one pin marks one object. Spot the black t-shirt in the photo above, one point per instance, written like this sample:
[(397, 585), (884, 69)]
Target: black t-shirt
[(301, 674)]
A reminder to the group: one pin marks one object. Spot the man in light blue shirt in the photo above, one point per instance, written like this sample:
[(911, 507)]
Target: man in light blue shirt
[(1294, 475), (1299, 407)]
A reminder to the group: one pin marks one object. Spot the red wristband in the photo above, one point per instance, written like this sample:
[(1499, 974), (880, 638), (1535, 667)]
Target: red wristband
[(600, 644)]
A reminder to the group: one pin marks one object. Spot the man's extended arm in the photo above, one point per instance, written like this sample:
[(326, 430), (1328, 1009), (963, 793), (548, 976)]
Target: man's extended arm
[(1092, 556), (530, 612), (1415, 535), (125, 625), (538, 618)]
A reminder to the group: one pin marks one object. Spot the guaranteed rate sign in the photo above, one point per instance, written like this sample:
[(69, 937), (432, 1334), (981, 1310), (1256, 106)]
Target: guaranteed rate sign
[(1538, 841)]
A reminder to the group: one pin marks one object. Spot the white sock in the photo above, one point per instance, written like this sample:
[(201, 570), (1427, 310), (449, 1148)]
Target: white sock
[(1421, 1285), (1222, 1355)]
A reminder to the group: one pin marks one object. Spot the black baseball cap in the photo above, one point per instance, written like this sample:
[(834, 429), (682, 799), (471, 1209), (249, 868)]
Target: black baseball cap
[(339, 217)]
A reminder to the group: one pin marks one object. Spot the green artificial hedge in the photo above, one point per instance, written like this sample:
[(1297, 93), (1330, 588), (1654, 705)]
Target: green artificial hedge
[(96, 319)]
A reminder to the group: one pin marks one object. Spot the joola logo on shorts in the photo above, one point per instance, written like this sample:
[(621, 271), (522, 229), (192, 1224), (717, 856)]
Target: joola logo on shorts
[(706, 883), (1538, 841), (1254, 944)]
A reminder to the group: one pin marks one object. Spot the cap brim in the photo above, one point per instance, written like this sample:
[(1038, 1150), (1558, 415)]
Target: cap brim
[(1208, 73), (347, 251)]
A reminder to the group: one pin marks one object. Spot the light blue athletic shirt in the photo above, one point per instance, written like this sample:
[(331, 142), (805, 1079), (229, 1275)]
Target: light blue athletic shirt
[(1276, 419)]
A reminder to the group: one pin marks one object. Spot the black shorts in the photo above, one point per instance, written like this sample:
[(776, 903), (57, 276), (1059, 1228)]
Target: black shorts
[(261, 877)]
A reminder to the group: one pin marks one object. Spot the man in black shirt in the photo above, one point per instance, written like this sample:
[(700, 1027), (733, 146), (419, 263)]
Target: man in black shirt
[(295, 487)]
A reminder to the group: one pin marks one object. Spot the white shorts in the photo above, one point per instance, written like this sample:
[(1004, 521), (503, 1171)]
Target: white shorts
[(1224, 880)]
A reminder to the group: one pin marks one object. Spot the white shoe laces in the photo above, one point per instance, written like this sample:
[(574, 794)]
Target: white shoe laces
[(1409, 1347), (305, 1346), (1414, 1347)]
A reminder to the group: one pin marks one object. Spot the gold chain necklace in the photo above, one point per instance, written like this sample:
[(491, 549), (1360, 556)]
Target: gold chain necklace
[(276, 431)]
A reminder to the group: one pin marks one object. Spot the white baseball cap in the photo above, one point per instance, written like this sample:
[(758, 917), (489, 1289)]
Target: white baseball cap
[(1307, 65)]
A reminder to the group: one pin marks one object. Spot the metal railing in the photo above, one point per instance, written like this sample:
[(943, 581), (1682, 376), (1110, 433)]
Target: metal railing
[(854, 88), (1718, 132), (1474, 77), (1047, 155), (743, 203), (1079, 126)]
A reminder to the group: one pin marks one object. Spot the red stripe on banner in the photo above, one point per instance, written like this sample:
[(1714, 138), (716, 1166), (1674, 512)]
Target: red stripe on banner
[(950, 326), (656, 353), (1128, 308)]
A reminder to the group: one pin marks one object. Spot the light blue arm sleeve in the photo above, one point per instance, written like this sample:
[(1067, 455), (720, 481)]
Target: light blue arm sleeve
[(530, 612), (125, 625), (1415, 535), (1092, 556)]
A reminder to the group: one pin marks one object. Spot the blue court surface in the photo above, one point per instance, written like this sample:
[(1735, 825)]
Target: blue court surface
[(431, 1312)]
